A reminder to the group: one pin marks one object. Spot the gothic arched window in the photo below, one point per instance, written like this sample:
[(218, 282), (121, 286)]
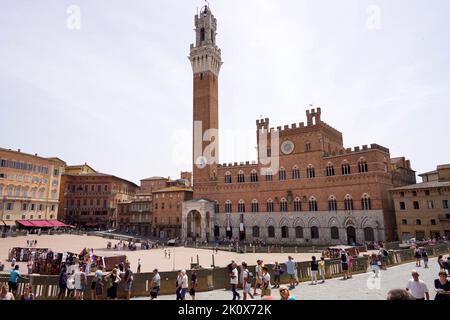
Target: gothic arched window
[(330, 170), (345, 168), (297, 205), (228, 177), (332, 204), (348, 203), (241, 177), (366, 203), (283, 205), (310, 172), (282, 174), (241, 206), (255, 206), (312, 204), (270, 205), (362, 166), (228, 207), (295, 173), (254, 176)]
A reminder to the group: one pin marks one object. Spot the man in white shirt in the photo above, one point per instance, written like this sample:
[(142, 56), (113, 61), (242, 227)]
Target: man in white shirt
[(184, 284), (417, 287), (234, 278)]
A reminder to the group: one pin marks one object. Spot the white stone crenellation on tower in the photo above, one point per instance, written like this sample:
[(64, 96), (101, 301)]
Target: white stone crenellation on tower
[(205, 55)]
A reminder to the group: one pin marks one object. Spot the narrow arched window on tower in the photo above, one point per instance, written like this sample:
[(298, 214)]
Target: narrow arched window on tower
[(202, 34)]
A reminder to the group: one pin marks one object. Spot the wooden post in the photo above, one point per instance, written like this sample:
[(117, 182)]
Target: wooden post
[(213, 263)]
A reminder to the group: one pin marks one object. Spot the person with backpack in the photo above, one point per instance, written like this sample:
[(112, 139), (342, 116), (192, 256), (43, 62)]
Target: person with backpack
[(344, 264), (278, 271), (247, 279)]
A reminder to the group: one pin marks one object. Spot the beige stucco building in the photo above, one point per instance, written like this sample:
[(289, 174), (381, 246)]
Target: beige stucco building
[(29, 187), (422, 209)]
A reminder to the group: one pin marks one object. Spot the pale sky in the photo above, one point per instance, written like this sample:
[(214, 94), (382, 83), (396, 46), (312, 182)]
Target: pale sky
[(117, 93)]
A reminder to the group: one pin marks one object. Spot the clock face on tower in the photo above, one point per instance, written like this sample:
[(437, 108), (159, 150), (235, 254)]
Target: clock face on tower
[(287, 147)]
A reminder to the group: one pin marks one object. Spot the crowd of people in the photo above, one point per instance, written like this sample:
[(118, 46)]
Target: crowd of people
[(73, 282)]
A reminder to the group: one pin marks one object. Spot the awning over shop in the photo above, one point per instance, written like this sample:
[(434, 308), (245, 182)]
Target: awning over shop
[(25, 223), (57, 224), (9, 223), (41, 224)]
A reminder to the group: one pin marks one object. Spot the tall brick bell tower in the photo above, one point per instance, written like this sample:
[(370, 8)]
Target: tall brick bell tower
[(205, 57)]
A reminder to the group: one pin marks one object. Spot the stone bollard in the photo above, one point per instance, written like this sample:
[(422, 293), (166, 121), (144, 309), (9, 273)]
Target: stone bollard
[(245, 249), (268, 249), (296, 249), (254, 249)]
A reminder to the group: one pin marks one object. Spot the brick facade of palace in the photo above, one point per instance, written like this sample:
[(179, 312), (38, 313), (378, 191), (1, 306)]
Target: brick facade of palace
[(319, 193)]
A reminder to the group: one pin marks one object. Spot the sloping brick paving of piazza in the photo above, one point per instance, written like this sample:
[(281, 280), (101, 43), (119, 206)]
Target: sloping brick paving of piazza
[(360, 287)]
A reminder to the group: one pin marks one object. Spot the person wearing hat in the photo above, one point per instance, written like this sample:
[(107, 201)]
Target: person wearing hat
[(417, 287), (155, 285)]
